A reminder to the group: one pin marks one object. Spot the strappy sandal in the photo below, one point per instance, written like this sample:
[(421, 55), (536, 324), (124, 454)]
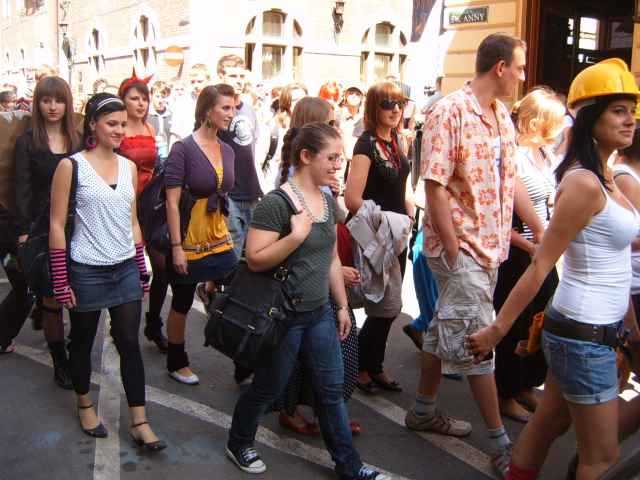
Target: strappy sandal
[(97, 432), (150, 447)]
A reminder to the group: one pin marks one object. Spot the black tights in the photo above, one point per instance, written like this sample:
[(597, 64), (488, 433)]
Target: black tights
[(125, 323), (372, 339), (159, 286)]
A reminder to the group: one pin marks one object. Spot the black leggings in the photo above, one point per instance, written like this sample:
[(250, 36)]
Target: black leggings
[(159, 285), (125, 323), (182, 297), (372, 339)]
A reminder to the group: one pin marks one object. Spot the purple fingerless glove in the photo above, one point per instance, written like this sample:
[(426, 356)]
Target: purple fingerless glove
[(142, 267), (59, 276)]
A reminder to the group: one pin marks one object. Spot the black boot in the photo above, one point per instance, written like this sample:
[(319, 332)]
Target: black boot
[(153, 332), (61, 373)]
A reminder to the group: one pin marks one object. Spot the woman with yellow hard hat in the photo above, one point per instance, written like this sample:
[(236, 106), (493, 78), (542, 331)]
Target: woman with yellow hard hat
[(593, 225)]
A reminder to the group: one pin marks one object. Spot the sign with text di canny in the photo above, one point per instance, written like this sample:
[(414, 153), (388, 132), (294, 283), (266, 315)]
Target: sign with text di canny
[(468, 15)]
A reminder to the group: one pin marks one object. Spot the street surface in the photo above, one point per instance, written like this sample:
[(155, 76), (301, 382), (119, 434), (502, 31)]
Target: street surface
[(41, 438)]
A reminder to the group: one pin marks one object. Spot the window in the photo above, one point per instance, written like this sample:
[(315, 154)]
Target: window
[(589, 29), (273, 46), (384, 52), (95, 51), (32, 6), (145, 36)]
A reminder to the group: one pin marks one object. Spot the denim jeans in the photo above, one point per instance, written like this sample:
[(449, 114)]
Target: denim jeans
[(240, 212), (426, 291), (314, 336)]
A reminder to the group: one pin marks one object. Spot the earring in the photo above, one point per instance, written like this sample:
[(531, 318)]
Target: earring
[(208, 123), (91, 142)]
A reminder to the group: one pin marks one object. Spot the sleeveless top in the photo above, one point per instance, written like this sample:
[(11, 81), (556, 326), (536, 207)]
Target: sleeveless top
[(141, 150), (596, 275), (103, 233), (622, 169)]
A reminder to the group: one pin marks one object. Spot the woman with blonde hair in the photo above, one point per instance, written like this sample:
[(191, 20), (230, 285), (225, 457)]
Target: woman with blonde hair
[(539, 116)]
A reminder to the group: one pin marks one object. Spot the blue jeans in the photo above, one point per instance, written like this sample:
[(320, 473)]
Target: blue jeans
[(426, 291), (314, 336), (240, 212)]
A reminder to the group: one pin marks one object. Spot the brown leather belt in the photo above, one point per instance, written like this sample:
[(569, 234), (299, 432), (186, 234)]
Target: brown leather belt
[(558, 324), (206, 247)]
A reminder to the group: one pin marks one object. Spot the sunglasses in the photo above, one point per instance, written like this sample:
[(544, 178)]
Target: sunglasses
[(391, 104)]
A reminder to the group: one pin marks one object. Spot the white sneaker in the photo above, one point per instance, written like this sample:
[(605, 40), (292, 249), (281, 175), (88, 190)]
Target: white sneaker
[(186, 379)]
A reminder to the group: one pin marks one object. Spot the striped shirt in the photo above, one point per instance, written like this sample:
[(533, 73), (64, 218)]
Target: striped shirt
[(539, 182)]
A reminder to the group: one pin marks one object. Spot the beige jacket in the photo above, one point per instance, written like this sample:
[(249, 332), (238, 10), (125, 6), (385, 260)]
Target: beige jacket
[(379, 237)]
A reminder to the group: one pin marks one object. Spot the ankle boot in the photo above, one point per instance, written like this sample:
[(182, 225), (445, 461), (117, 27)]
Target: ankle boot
[(153, 332), (61, 374)]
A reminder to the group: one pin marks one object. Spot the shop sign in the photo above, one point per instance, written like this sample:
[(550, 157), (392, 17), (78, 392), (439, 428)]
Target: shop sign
[(468, 15)]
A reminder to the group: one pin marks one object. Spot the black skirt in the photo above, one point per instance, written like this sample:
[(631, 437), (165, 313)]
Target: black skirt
[(513, 372)]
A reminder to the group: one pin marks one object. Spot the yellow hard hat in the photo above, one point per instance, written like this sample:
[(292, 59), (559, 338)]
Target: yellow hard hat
[(608, 77)]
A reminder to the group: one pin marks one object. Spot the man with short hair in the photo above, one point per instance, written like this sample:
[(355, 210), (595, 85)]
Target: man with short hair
[(185, 108), (468, 154), (8, 100), (160, 118), (241, 135)]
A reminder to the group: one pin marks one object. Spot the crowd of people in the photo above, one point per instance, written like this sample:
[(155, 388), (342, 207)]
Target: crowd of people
[(504, 194)]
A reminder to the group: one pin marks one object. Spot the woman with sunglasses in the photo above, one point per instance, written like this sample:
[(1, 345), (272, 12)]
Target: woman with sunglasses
[(379, 170)]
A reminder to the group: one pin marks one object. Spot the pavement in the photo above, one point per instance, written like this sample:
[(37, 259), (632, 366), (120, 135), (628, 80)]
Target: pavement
[(40, 437)]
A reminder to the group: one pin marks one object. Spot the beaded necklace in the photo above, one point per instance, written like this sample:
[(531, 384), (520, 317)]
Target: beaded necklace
[(325, 206)]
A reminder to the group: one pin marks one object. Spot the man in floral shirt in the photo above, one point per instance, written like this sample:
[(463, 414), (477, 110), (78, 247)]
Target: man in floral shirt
[(468, 152)]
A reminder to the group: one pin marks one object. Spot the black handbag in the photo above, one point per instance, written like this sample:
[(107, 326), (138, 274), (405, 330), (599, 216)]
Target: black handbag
[(34, 253), (152, 212), (247, 321)]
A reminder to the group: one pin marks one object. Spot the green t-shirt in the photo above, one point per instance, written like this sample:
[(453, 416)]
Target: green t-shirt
[(309, 264)]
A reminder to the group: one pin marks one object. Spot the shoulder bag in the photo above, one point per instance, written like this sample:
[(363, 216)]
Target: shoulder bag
[(247, 321)]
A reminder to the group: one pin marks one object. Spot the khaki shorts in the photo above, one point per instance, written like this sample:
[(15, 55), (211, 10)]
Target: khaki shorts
[(465, 305)]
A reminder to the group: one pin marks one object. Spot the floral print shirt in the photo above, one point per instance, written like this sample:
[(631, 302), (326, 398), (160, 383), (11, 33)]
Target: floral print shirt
[(458, 153)]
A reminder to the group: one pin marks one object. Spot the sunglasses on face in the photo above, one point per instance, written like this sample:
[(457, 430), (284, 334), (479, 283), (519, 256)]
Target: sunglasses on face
[(391, 104)]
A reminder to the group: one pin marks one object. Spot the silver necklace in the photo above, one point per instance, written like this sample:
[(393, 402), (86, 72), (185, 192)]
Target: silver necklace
[(325, 206)]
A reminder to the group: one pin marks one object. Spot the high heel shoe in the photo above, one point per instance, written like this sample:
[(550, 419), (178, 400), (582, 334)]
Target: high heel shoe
[(97, 432), (151, 447)]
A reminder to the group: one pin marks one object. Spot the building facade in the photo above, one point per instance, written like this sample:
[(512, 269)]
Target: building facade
[(351, 41)]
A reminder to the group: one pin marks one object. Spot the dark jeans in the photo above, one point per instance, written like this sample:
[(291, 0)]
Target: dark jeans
[(372, 340), (312, 335), (15, 307), (125, 323)]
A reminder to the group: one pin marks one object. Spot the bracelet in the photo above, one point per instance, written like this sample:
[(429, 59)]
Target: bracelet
[(343, 307), (179, 244)]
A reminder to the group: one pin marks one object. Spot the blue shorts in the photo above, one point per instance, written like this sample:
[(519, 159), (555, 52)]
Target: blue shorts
[(586, 372)]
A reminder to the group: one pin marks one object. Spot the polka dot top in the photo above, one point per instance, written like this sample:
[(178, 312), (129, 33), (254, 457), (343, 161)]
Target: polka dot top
[(103, 233)]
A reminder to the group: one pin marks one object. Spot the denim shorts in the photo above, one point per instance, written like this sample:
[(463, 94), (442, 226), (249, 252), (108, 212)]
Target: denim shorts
[(586, 372), (98, 286)]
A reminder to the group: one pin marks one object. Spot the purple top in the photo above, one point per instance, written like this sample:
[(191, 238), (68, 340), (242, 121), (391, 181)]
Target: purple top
[(187, 165)]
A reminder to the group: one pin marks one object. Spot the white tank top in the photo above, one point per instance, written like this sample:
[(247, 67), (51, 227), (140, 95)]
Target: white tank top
[(103, 233), (596, 275), (635, 256)]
